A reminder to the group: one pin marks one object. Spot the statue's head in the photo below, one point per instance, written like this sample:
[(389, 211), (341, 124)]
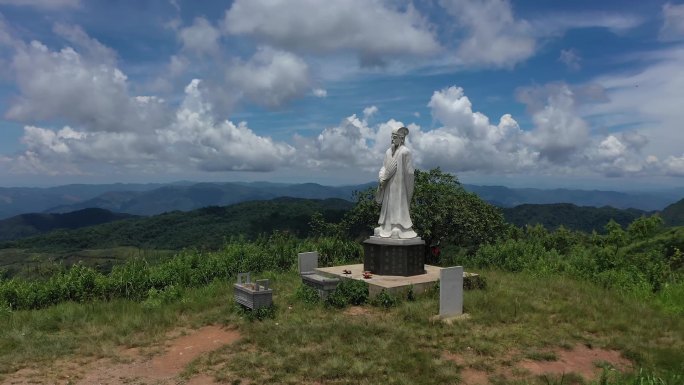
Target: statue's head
[(399, 135)]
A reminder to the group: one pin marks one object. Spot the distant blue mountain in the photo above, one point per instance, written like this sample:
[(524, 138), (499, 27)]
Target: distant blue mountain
[(511, 197), (151, 199), (190, 197)]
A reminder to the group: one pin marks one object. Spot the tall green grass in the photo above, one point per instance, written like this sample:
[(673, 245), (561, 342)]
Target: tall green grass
[(137, 278), (616, 260)]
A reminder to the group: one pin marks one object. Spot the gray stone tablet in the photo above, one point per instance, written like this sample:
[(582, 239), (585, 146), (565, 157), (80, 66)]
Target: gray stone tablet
[(308, 262), (451, 291)]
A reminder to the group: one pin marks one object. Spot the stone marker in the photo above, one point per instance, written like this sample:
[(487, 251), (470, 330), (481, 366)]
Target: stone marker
[(253, 295), (451, 292), (308, 262)]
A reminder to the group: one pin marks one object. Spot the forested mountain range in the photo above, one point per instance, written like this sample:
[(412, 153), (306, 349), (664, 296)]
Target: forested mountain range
[(207, 227), (26, 225), (570, 216), (151, 199)]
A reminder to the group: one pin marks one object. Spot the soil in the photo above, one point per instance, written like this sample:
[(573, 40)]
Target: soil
[(136, 367), (357, 310), (580, 360)]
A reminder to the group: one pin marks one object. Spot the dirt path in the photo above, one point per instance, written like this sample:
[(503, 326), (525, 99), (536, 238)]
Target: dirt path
[(137, 368)]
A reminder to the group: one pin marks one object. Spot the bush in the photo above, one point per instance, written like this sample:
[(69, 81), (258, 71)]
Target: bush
[(611, 260), (386, 300), (307, 294), (348, 292), (260, 314)]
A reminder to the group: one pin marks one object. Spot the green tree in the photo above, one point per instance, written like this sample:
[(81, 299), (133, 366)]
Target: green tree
[(644, 227)]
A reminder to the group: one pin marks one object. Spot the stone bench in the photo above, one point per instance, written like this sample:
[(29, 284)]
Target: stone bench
[(308, 262)]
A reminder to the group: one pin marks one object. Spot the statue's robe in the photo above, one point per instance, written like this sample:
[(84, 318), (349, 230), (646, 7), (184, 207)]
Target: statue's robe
[(395, 196)]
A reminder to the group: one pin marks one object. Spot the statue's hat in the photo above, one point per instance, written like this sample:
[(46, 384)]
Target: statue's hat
[(401, 131)]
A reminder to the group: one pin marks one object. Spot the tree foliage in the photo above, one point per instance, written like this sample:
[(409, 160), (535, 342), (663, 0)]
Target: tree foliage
[(442, 211)]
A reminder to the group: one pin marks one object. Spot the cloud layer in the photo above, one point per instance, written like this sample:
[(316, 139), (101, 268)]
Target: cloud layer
[(82, 114), (108, 127), (369, 28)]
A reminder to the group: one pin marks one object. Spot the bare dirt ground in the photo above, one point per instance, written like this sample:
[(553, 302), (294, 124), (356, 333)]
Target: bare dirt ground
[(135, 367), (164, 364), (580, 360)]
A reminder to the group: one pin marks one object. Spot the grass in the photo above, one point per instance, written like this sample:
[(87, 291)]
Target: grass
[(518, 316), (35, 264)]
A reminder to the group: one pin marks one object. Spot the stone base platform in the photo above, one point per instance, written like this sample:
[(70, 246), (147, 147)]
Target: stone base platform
[(396, 257), (394, 284)]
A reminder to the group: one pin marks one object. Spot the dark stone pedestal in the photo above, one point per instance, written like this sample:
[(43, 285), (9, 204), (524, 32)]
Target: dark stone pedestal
[(387, 256)]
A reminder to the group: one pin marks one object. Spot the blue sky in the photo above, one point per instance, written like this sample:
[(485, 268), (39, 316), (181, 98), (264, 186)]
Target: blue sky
[(579, 94)]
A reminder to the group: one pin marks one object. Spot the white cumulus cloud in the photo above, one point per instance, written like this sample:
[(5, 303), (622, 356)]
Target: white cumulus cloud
[(467, 140), (559, 131), (674, 165), (193, 140), (80, 40), (493, 37), (371, 28), (65, 85), (271, 77), (673, 24), (201, 37), (370, 111)]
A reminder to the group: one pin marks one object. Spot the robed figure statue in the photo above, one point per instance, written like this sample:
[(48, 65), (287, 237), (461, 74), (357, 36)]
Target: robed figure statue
[(395, 190)]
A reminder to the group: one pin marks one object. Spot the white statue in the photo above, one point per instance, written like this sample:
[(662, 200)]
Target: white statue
[(396, 189)]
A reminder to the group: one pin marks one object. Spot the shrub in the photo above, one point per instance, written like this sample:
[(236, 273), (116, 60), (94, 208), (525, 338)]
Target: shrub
[(260, 314), (307, 294), (348, 292), (385, 299)]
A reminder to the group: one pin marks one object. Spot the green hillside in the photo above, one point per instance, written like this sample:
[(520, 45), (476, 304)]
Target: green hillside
[(205, 228), (26, 225), (570, 216), (673, 215)]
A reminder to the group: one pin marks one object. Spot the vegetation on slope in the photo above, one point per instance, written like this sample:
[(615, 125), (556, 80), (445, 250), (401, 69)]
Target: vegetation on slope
[(673, 215), (205, 228), (26, 225), (570, 216)]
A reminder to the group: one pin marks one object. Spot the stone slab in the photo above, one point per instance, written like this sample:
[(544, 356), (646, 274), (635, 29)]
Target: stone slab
[(395, 241), (307, 262), (323, 284), (451, 291), (387, 256), (396, 285)]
